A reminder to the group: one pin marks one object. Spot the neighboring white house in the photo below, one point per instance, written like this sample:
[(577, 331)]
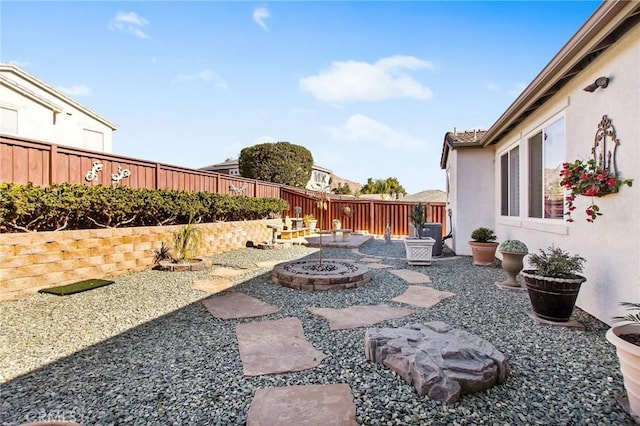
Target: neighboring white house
[(320, 176), (32, 109), (507, 179)]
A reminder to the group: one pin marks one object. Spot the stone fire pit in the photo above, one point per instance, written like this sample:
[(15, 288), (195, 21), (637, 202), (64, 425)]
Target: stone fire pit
[(331, 274)]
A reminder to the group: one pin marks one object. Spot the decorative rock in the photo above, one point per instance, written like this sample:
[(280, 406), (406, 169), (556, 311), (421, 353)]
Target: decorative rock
[(303, 405), (440, 361)]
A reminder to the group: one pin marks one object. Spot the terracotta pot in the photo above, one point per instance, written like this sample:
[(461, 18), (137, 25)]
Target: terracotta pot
[(484, 254), (629, 356), (552, 299), (512, 265)]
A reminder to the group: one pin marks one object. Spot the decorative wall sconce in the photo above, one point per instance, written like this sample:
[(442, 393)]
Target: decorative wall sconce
[(601, 82)]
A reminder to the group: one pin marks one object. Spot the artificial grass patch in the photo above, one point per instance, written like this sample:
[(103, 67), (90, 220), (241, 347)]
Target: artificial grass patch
[(76, 287)]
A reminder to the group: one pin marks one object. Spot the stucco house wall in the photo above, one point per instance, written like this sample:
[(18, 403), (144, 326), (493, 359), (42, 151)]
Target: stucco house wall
[(611, 244), (471, 194), (44, 113)]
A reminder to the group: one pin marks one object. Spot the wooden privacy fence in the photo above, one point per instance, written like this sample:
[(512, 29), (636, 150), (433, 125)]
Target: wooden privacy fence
[(361, 215), (25, 160)]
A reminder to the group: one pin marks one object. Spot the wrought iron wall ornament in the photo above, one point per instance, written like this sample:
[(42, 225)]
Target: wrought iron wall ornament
[(122, 173), (93, 173), (238, 189), (605, 146)]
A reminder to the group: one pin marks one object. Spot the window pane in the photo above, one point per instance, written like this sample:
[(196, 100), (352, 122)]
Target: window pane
[(514, 182), (553, 157), (535, 176), (504, 185), (9, 120)]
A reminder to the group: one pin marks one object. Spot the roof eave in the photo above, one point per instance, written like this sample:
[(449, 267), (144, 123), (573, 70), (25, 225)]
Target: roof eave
[(602, 22)]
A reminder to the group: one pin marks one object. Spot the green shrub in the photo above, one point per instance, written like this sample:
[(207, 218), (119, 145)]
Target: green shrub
[(513, 246), (483, 235), (557, 263), (28, 208)]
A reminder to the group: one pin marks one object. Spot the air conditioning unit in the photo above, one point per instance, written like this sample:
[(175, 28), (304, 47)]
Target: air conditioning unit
[(433, 230)]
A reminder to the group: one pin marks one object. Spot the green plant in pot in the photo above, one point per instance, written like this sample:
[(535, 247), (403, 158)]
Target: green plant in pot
[(483, 246), (186, 244), (554, 285), (625, 336), (310, 221), (513, 251), (416, 216)]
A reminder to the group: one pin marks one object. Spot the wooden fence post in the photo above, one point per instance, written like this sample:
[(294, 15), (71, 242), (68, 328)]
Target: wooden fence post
[(53, 154)]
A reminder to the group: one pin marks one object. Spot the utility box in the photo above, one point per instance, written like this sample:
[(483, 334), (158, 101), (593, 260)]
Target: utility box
[(433, 230)]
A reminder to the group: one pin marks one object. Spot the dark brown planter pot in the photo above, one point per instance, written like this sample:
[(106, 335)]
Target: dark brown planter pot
[(484, 254), (552, 299)]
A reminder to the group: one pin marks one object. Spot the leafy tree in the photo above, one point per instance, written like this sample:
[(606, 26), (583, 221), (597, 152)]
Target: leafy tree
[(280, 162), (342, 189), (389, 186)]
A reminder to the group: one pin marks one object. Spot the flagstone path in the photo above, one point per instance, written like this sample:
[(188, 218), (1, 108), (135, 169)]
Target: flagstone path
[(212, 286), (237, 305), (280, 346), (359, 316), (412, 277), (223, 271), (424, 297), (275, 346), (322, 405)]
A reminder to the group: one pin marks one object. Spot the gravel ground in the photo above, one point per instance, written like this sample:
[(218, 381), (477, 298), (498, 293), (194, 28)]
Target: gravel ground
[(145, 351)]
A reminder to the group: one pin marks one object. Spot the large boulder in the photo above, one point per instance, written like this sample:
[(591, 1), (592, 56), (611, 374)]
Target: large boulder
[(440, 361)]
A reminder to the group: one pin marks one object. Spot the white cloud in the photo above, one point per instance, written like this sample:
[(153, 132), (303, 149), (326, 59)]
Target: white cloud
[(21, 64), (492, 87), (129, 22), (515, 92), (353, 81), (205, 76), (265, 139), (361, 129), (76, 90), (260, 14)]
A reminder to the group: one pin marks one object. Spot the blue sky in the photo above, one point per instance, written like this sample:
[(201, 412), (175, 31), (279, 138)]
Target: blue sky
[(370, 88)]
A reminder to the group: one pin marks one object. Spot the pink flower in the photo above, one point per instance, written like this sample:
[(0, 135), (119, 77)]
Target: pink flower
[(591, 192)]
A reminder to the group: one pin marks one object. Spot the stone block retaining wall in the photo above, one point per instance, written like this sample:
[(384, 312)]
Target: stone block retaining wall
[(36, 260)]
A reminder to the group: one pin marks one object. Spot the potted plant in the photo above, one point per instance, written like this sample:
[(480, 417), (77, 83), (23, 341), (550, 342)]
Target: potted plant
[(186, 244), (419, 250), (310, 222), (554, 285), (483, 246), (590, 179), (512, 253), (625, 336)]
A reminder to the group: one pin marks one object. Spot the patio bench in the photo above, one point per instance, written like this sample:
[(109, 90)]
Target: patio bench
[(345, 234)]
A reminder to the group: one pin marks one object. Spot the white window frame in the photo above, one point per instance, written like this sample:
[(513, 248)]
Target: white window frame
[(555, 226)]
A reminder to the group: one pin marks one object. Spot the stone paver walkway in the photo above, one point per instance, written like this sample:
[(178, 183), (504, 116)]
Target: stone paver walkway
[(225, 272), (359, 316), (212, 286), (237, 305), (276, 346), (412, 277), (424, 297), (377, 265), (321, 405)]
